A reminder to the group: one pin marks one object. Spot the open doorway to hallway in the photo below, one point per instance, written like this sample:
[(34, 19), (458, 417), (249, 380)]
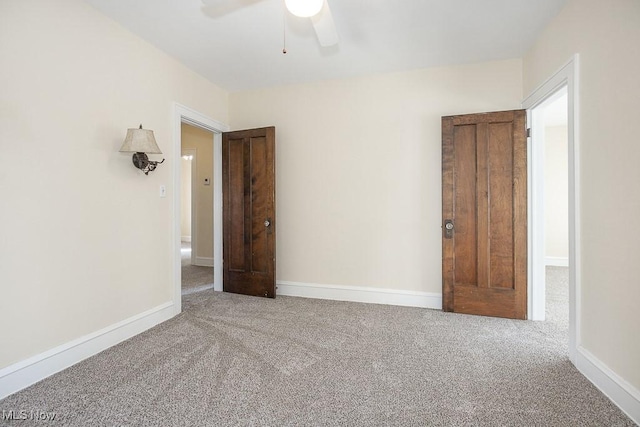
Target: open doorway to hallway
[(197, 205), (565, 80), (551, 213), (554, 114)]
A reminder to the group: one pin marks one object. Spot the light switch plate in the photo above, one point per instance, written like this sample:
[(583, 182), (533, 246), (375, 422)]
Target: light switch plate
[(163, 191)]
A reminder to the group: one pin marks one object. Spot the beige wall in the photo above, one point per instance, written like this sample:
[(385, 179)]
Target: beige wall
[(606, 36), (556, 192), (358, 169), (86, 241), (201, 141)]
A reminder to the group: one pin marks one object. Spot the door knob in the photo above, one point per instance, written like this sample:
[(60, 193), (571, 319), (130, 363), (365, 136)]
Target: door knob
[(448, 229), (267, 223)]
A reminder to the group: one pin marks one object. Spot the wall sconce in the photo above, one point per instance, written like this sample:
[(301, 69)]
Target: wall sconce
[(139, 142)]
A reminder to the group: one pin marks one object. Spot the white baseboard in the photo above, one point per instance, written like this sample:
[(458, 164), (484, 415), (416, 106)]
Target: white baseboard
[(203, 261), (29, 371), (185, 238), (620, 392), (361, 294), (556, 261)]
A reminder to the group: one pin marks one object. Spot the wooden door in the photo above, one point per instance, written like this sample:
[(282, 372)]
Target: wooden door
[(484, 211), (249, 216)]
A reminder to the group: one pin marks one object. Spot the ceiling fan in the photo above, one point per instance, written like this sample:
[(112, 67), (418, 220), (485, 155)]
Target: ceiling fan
[(317, 11)]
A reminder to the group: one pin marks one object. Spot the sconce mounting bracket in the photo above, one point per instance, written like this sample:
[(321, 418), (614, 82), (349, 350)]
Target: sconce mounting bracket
[(142, 162)]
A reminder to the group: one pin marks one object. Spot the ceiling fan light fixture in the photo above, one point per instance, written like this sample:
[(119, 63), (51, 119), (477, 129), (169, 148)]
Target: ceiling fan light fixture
[(304, 8)]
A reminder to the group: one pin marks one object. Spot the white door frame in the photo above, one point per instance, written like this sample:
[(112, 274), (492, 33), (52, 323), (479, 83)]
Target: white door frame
[(182, 114), (567, 77)]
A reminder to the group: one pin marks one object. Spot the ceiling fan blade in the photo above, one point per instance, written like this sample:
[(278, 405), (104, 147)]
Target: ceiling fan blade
[(325, 27)]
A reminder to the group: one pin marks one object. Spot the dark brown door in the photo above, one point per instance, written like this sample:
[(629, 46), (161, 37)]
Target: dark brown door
[(249, 212), (484, 211)]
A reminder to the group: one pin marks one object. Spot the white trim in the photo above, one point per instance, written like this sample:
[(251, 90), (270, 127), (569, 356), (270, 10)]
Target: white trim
[(555, 261), (361, 294), (620, 392), (185, 239), (182, 114), (202, 261), (217, 210), (567, 76), (29, 371), (536, 242)]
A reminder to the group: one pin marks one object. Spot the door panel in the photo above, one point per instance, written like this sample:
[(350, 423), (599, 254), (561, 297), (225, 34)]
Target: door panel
[(465, 200), (259, 205), (235, 221), (500, 182), (248, 169), (484, 194)]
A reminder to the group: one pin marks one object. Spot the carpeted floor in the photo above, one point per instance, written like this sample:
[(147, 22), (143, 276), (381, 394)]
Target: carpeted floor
[(194, 277), (232, 360), (557, 298)]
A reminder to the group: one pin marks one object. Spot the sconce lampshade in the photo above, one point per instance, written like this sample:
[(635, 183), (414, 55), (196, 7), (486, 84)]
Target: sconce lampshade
[(140, 141)]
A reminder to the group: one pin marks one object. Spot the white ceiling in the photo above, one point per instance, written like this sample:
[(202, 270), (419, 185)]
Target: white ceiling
[(238, 45)]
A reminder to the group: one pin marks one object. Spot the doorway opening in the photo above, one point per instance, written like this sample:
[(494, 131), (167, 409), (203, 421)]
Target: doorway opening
[(196, 234), (551, 121), (199, 122), (553, 188)]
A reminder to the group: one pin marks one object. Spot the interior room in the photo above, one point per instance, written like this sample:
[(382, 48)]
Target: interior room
[(109, 111)]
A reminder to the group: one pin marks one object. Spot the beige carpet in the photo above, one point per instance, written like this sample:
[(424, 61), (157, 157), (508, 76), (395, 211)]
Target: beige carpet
[(231, 360), (194, 277), (557, 297)]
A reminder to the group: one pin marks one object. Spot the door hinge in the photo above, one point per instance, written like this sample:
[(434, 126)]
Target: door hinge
[(528, 132)]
